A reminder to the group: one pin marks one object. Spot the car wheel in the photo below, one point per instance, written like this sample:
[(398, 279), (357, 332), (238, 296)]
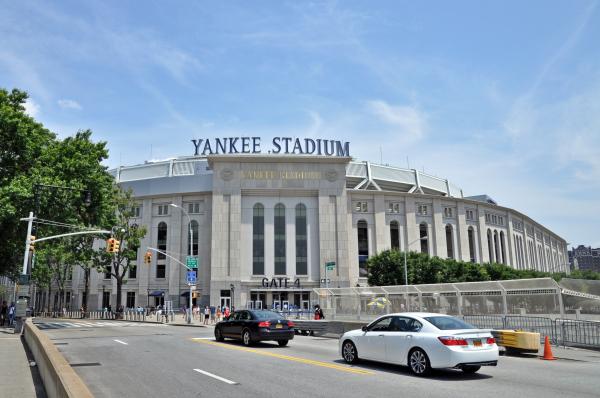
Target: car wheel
[(470, 369), (246, 337), (282, 343), (349, 352), (419, 362), (218, 334)]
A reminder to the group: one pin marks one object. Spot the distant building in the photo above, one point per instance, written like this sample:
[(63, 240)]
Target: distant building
[(585, 258)]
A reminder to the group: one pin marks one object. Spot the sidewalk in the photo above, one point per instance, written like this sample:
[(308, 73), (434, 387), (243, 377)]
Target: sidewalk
[(17, 378)]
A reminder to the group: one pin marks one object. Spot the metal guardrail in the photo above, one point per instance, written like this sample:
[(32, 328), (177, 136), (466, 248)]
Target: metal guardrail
[(565, 332)]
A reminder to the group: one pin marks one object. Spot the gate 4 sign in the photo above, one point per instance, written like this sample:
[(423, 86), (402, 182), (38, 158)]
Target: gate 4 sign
[(191, 277), (330, 265)]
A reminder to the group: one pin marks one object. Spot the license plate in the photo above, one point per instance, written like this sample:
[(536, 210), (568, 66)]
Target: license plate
[(278, 326), (477, 343)]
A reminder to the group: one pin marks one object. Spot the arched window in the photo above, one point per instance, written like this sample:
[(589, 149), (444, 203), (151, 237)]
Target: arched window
[(363, 247), (424, 238), (258, 239), (279, 246), (502, 247), (395, 235), (471, 234), (161, 244), (194, 227), (449, 242), (301, 239), (490, 246), (496, 247)]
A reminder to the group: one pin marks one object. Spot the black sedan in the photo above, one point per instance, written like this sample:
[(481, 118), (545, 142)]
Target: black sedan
[(255, 325)]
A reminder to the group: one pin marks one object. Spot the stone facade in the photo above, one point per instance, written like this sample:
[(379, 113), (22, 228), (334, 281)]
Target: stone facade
[(343, 203)]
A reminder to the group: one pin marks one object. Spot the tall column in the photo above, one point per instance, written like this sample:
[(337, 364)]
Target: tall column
[(412, 229), (462, 233), (381, 229), (484, 256), (510, 240), (438, 240)]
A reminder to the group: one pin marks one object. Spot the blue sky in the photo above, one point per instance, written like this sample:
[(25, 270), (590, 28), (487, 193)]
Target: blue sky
[(501, 98)]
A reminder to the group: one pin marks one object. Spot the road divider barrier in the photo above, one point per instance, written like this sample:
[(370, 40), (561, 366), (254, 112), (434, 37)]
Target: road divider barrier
[(517, 340), (59, 378)]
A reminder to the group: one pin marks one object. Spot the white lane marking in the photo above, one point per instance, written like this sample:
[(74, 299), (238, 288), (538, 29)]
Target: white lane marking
[(224, 380), (72, 324), (203, 338), (122, 342)]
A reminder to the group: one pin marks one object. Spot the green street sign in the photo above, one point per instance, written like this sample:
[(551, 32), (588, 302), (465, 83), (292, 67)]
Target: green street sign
[(192, 262), (330, 265)]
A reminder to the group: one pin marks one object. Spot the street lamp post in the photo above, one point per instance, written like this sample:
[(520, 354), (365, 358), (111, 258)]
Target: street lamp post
[(189, 319), (405, 267)]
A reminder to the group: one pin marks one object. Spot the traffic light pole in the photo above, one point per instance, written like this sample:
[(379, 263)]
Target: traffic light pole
[(27, 241), (186, 267)]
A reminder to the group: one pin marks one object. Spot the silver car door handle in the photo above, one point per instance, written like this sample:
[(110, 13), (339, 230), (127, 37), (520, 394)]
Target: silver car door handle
[(409, 336)]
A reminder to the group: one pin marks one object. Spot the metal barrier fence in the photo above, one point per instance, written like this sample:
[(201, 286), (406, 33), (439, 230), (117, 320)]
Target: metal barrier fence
[(565, 332), (582, 333)]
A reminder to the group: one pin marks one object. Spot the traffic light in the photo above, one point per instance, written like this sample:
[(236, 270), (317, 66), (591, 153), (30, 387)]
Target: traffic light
[(116, 246), (110, 245), (148, 258), (31, 243), (194, 294)]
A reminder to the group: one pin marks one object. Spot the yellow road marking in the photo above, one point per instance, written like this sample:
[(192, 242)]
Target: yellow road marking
[(286, 357)]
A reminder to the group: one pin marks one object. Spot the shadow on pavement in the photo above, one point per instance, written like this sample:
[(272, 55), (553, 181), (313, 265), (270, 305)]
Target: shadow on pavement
[(436, 374)]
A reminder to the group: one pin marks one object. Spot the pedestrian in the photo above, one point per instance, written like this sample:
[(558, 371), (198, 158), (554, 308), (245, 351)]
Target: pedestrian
[(213, 310), (11, 314), (82, 312), (226, 312), (184, 312), (3, 313), (206, 314), (218, 313), (109, 309)]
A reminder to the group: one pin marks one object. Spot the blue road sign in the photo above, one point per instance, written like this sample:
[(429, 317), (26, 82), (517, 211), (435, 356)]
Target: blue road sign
[(191, 277)]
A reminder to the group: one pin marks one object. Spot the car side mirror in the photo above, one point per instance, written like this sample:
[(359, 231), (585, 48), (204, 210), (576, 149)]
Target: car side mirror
[(364, 328)]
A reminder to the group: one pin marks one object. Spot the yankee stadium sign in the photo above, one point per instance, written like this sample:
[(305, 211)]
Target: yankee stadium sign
[(279, 145)]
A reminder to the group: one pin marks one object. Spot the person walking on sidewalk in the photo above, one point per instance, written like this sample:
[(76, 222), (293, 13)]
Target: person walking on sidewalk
[(206, 314), (11, 314), (3, 313)]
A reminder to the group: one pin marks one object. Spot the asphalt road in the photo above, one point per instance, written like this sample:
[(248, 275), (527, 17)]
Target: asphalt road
[(143, 360)]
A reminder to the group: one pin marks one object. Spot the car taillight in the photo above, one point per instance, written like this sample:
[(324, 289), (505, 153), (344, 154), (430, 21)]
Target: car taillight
[(491, 340), (291, 324), (264, 324), (449, 340)]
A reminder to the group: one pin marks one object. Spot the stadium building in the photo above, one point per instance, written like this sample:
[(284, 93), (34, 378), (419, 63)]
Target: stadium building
[(264, 224)]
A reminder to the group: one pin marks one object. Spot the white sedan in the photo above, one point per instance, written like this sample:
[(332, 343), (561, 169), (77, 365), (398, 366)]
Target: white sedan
[(421, 341)]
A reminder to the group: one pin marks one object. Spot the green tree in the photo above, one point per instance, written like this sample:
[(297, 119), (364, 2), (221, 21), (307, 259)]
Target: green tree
[(23, 141), (387, 268), (128, 234)]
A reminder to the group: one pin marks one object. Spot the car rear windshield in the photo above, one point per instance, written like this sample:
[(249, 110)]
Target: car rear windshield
[(266, 315), (448, 323)]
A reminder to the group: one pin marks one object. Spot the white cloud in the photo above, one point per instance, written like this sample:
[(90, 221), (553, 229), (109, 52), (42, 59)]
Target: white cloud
[(409, 120), (31, 108), (69, 104)]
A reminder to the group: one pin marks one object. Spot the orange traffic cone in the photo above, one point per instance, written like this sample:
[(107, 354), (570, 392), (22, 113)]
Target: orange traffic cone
[(547, 351)]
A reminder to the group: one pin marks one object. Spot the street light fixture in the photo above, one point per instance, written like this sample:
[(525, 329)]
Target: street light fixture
[(189, 318), (405, 267)]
